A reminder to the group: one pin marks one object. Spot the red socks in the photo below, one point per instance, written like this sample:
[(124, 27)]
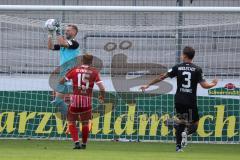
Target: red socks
[(85, 132), (74, 132)]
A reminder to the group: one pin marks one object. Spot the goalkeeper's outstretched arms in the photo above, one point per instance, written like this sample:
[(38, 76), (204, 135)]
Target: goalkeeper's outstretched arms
[(52, 46), (50, 39), (66, 41), (51, 25), (62, 80), (159, 78)]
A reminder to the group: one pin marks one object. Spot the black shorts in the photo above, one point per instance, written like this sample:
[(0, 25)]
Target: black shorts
[(187, 112)]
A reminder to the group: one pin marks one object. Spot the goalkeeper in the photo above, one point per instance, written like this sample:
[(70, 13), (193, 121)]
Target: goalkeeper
[(69, 51)]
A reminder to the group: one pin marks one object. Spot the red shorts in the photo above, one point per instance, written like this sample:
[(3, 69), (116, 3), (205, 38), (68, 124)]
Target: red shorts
[(80, 108)]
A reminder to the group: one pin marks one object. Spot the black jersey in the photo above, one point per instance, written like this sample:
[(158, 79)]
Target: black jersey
[(188, 76)]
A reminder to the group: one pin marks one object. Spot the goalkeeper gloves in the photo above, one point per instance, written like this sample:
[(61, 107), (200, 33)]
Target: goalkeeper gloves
[(58, 29), (50, 33)]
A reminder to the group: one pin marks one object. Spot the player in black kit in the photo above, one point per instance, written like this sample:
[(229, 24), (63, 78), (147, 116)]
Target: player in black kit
[(188, 76)]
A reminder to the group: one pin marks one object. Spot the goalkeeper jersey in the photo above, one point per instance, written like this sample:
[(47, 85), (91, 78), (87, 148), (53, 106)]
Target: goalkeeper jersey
[(67, 54)]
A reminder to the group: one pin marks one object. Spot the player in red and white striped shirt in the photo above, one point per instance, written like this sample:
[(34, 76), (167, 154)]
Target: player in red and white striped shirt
[(80, 109)]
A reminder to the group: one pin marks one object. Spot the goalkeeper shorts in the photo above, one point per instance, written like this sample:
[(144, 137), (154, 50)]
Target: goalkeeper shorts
[(66, 88), (64, 68)]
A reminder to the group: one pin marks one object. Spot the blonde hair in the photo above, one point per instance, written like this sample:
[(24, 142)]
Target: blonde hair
[(74, 27), (87, 58)]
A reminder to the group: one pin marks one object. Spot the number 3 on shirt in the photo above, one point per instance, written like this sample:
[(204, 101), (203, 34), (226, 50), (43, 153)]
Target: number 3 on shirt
[(187, 79), (83, 81)]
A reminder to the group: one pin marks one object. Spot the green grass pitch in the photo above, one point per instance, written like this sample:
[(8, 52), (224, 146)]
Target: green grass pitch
[(62, 150)]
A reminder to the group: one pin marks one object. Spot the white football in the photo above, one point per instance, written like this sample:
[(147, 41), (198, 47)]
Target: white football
[(50, 24)]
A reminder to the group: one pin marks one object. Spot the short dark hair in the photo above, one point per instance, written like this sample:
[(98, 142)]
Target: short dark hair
[(74, 27), (87, 59), (189, 52)]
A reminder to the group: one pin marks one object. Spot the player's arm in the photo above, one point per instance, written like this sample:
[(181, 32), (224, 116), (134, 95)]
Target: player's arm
[(52, 46), (158, 79), (63, 42), (67, 77), (206, 85), (62, 80), (203, 82), (171, 73), (50, 41), (102, 91), (101, 87)]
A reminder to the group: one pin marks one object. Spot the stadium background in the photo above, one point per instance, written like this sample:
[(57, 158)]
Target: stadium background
[(156, 38), (28, 54)]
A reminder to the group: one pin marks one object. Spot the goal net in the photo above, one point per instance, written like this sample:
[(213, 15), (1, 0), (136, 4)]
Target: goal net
[(130, 48)]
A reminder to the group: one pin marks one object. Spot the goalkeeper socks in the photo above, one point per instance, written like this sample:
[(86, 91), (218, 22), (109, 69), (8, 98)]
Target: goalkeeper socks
[(192, 129), (74, 132), (61, 105), (85, 132)]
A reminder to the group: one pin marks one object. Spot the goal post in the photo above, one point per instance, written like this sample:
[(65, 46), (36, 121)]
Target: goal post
[(117, 8), (131, 45)]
